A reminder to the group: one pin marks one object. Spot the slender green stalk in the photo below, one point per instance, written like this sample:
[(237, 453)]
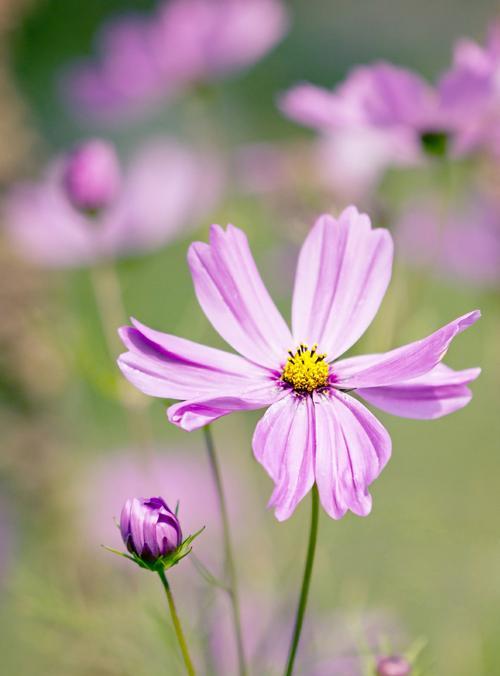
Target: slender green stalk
[(306, 581), (177, 625), (228, 550), (112, 314), (108, 295)]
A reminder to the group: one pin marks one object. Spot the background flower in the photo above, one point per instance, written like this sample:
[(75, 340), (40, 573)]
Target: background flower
[(143, 60), (463, 244), (165, 189)]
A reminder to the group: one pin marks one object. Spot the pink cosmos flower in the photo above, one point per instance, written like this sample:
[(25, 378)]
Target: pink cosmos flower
[(393, 112), (393, 101), (165, 188), (472, 86), (144, 60), (314, 430)]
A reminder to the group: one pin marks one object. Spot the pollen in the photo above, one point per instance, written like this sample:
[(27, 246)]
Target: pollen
[(306, 370)]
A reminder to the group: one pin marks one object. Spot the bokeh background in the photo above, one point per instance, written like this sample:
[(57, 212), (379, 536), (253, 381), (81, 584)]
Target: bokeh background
[(421, 572)]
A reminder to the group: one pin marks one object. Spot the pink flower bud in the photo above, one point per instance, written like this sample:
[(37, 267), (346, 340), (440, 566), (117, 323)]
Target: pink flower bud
[(393, 666), (91, 176)]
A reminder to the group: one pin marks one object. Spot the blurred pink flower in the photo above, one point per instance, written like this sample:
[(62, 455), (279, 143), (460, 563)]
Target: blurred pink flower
[(393, 112), (144, 60), (395, 665), (463, 243), (349, 642), (472, 86), (92, 176), (165, 189), (314, 430)]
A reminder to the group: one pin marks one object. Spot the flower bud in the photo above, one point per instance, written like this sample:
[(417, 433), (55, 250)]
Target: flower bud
[(91, 176), (393, 666), (150, 530)]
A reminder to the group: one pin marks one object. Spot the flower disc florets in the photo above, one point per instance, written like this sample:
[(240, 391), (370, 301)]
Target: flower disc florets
[(306, 370)]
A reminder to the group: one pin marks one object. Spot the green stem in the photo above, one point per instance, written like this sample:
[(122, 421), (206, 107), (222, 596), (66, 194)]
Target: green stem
[(306, 581), (109, 299), (229, 558), (112, 314), (177, 625)]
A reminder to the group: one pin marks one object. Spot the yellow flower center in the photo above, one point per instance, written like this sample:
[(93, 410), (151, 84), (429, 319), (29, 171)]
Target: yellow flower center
[(306, 370)]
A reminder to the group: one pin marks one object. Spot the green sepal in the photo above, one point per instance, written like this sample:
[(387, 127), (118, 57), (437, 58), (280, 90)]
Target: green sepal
[(165, 562)]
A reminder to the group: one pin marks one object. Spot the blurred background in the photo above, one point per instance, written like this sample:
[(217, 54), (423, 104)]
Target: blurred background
[(420, 574)]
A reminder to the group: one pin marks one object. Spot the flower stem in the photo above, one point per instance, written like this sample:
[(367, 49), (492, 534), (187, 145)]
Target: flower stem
[(109, 299), (112, 314), (306, 581), (229, 559), (177, 625)]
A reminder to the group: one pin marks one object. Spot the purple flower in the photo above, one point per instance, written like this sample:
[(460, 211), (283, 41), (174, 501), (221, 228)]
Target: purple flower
[(393, 666), (164, 190), (91, 176), (144, 60), (149, 528), (396, 103), (401, 117), (471, 87), (314, 429)]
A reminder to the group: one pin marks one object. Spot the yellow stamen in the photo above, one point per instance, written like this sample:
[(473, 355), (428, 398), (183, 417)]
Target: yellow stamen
[(306, 370)]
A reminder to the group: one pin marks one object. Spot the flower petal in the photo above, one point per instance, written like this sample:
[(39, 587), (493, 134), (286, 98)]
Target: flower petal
[(403, 363), (44, 227), (162, 365), (167, 188), (352, 447), (432, 395), (284, 442), (136, 524), (343, 272), (195, 413), (234, 298), (390, 96), (317, 107)]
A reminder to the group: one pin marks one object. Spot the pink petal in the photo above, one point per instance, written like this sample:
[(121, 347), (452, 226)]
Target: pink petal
[(234, 298), (243, 32), (44, 227), (376, 96), (168, 187), (197, 412), (343, 271), (390, 96), (403, 363), (432, 395), (316, 107), (352, 448), (162, 365), (283, 443)]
